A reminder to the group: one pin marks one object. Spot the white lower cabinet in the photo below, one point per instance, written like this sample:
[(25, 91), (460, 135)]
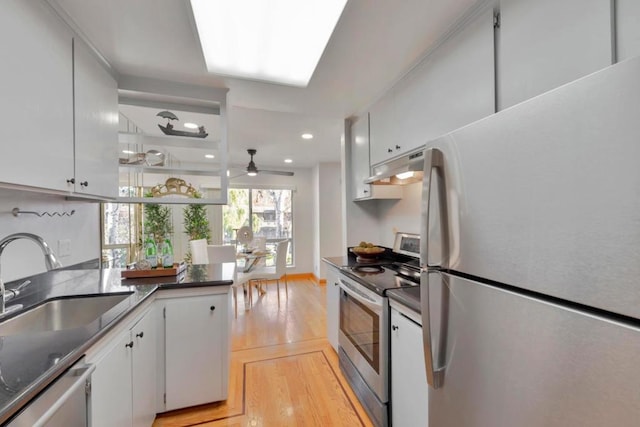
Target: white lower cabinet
[(123, 384), (333, 300), (196, 362), (143, 371), (171, 353), (409, 389)]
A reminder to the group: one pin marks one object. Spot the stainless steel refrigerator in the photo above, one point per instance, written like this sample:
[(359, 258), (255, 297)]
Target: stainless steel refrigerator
[(530, 251)]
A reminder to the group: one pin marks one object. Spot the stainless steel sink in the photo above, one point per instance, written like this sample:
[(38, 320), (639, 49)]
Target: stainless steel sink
[(66, 313)]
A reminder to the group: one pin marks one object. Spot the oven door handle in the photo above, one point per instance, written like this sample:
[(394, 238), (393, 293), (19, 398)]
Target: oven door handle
[(360, 296)]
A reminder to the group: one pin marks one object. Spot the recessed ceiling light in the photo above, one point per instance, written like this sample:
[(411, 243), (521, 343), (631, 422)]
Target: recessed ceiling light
[(190, 125), (210, 156), (128, 151), (278, 41), (307, 136), (288, 161)]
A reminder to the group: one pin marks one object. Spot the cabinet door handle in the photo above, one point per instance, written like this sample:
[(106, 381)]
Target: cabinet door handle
[(84, 184), (389, 150), (213, 307), (394, 327), (130, 345), (397, 147), (140, 335), (71, 181)]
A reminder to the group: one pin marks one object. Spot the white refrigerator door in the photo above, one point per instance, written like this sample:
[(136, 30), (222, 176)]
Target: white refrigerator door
[(512, 361), (546, 195)]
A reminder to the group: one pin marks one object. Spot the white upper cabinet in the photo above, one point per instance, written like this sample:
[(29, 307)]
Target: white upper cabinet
[(627, 29), (382, 127), (96, 126), (452, 87), (48, 143), (546, 43), (36, 104), (360, 157)]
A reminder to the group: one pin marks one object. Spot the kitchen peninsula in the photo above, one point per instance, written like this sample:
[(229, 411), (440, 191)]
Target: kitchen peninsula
[(35, 356)]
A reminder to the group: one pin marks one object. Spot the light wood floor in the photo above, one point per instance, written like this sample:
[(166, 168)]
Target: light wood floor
[(283, 372)]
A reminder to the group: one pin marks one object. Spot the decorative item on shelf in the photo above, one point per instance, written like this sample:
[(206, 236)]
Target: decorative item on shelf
[(174, 187), (150, 158), (169, 130), (17, 211)]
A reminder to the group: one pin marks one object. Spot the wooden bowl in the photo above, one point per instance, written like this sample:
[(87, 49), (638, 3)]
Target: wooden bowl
[(367, 254)]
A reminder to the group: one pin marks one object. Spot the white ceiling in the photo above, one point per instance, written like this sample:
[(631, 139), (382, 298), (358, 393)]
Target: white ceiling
[(373, 45)]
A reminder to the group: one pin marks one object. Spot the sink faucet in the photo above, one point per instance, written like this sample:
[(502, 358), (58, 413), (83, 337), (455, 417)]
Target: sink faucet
[(50, 261)]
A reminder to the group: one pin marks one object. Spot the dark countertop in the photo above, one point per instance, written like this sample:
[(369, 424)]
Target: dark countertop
[(409, 297), (340, 261), (31, 361)]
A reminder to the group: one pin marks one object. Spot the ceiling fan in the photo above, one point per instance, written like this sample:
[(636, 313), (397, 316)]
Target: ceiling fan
[(252, 169)]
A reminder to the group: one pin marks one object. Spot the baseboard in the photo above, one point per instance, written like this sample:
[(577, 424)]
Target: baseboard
[(307, 276)]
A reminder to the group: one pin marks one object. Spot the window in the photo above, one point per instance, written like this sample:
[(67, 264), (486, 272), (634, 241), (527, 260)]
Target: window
[(269, 213), (120, 232)]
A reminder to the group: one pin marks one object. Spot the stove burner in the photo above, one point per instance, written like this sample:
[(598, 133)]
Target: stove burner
[(368, 269), (363, 260)]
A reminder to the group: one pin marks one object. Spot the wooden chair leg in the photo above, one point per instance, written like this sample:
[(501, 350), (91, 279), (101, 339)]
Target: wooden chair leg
[(286, 286), (278, 290), (235, 301)]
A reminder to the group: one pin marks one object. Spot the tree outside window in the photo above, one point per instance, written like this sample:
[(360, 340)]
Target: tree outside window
[(269, 213)]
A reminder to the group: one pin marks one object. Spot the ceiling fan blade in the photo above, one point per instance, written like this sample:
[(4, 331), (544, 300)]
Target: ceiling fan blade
[(237, 176), (283, 173)]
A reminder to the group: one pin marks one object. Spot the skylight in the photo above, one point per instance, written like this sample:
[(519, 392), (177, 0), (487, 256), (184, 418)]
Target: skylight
[(279, 41)]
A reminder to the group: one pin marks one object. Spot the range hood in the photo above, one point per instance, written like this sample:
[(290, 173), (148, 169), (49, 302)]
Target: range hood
[(406, 169)]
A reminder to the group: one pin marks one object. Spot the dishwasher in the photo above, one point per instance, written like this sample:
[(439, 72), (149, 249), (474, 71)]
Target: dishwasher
[(63, 403)]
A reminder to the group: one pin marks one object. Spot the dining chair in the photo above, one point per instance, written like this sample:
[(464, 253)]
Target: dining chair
[(259, 243), (275, 272), (227, 253), (198, 251)]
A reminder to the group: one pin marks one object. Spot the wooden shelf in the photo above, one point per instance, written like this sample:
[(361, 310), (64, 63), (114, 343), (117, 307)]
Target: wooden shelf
[(172, 200), (214, 171), (168, 141)]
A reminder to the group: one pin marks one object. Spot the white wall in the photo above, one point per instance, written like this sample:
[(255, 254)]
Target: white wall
[(400, 215), (24, 258), (377, 221), (329, 212)]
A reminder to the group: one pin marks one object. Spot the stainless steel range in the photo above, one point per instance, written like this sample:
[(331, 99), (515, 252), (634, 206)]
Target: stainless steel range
[(364, 321)]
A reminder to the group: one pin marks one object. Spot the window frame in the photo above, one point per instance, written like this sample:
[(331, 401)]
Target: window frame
[(250, 189)]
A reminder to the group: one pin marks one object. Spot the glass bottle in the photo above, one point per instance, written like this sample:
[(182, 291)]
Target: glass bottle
[(151, 251), (167, 254)]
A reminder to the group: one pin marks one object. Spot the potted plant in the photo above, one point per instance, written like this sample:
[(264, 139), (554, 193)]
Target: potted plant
[(157, 221), (196, 223)]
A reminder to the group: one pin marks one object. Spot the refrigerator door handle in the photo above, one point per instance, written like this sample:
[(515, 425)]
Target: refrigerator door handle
[(434, 163), (435, 376)]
